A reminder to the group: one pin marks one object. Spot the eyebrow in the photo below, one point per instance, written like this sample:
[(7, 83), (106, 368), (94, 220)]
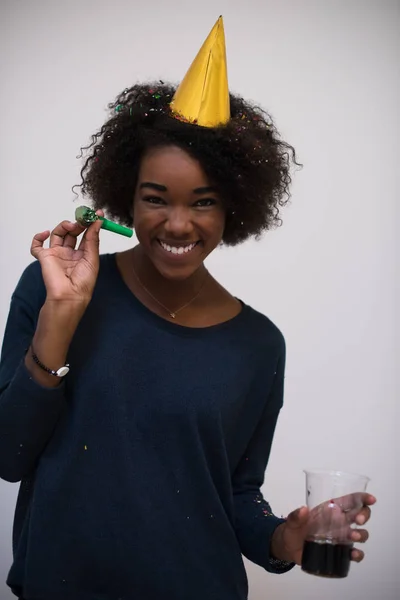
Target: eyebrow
[(154, 186), (163, 188), (205, 190)]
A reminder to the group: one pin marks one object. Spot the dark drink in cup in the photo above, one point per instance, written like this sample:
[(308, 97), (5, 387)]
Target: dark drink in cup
[(328, 546), (326, 559)]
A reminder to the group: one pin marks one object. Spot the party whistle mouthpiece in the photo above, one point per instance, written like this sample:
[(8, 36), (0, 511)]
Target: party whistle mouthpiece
[(85, 216)]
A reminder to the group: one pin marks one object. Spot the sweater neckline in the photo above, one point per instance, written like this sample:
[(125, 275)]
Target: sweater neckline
[(162, 323)]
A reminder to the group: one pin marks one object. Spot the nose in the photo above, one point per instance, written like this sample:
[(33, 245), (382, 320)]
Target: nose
[(179, 223)]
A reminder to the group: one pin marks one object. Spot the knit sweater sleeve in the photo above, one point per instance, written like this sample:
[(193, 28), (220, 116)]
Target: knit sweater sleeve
[(255, 522), (28, 411)]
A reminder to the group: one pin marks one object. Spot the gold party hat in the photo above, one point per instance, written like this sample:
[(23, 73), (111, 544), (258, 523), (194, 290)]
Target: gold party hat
[(203, 95)]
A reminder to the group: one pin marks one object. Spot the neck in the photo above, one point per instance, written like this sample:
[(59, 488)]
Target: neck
[(170, 292)]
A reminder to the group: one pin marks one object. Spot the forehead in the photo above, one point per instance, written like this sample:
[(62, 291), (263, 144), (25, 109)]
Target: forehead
[(172, 166)]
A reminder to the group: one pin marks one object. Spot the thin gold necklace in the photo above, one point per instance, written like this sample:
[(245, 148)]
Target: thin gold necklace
[(172, 314)]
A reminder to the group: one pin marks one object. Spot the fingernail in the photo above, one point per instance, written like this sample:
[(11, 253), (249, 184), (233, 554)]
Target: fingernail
[(356, 536), (361, 520)]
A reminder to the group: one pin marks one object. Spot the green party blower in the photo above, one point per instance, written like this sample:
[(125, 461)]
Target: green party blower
[(85, 216)]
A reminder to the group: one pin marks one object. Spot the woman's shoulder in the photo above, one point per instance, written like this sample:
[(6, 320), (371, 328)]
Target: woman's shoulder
[(252, 321), (108, 269), (31, 282), (30, 288), (262, 328), (30, 285)]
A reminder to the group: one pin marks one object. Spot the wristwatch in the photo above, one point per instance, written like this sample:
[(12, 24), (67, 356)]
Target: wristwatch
[(61, 372)]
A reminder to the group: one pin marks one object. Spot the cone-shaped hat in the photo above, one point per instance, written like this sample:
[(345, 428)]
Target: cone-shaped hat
[(203, 95)]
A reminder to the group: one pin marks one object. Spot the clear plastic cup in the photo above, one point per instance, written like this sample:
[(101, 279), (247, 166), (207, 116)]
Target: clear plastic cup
[(334, 499)]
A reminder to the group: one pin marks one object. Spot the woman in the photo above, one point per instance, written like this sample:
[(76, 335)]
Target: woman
[(139, 398)]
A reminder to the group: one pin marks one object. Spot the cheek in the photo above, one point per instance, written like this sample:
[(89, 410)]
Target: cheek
[(142, 228), (144, 220), (216, 225)]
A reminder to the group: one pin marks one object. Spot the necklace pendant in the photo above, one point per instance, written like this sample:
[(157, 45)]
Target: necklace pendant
[(172, 315)]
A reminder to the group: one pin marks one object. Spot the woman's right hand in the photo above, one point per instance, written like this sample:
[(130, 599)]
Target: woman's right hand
[(69, 273)]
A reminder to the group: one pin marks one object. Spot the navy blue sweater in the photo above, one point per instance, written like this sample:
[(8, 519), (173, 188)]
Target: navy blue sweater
[(141, 473)]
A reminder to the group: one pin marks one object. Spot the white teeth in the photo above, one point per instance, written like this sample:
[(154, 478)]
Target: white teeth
[(177, 249)]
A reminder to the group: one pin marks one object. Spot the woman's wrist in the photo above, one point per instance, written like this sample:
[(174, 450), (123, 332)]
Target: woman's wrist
[(278, 549), (56, 327)]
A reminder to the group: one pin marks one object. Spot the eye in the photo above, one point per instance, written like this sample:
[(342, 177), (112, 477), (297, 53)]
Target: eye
[(153, 200), (205, 202)]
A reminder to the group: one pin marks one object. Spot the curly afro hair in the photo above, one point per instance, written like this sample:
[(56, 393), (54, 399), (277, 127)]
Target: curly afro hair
[(245, 159)]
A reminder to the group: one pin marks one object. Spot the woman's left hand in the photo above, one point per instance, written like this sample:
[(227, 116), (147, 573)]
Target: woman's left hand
[(287, 543)]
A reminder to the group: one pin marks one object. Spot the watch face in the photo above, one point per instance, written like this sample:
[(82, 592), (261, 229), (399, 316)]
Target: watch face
[(63, 371)]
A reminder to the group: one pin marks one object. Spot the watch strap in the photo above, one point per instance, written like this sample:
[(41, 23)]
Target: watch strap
[(61, 372)]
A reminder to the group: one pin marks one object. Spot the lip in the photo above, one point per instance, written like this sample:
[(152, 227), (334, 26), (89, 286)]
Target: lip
[(177, 244), (177, 257)]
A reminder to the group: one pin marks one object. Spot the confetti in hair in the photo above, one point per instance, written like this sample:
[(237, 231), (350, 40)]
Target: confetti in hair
[(246, 157)]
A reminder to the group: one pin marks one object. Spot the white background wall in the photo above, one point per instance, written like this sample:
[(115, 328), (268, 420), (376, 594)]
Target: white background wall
[(328, 72)]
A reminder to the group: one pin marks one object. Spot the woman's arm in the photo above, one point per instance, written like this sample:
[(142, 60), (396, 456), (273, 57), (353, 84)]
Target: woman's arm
[(31, 401), (257, 528)]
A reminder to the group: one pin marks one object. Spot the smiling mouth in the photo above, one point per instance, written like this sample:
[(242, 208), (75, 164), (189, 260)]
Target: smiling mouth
[(178, 249)]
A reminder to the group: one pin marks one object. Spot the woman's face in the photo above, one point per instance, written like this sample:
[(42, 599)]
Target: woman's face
[(178, 214)]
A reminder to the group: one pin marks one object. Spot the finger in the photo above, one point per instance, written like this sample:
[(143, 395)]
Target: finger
[(91, 241), (298, 518), (60, 232), (38, 241), (352, 505), (72, 236), (360, 536), (368, 499), (357, 555), (363, 516)]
